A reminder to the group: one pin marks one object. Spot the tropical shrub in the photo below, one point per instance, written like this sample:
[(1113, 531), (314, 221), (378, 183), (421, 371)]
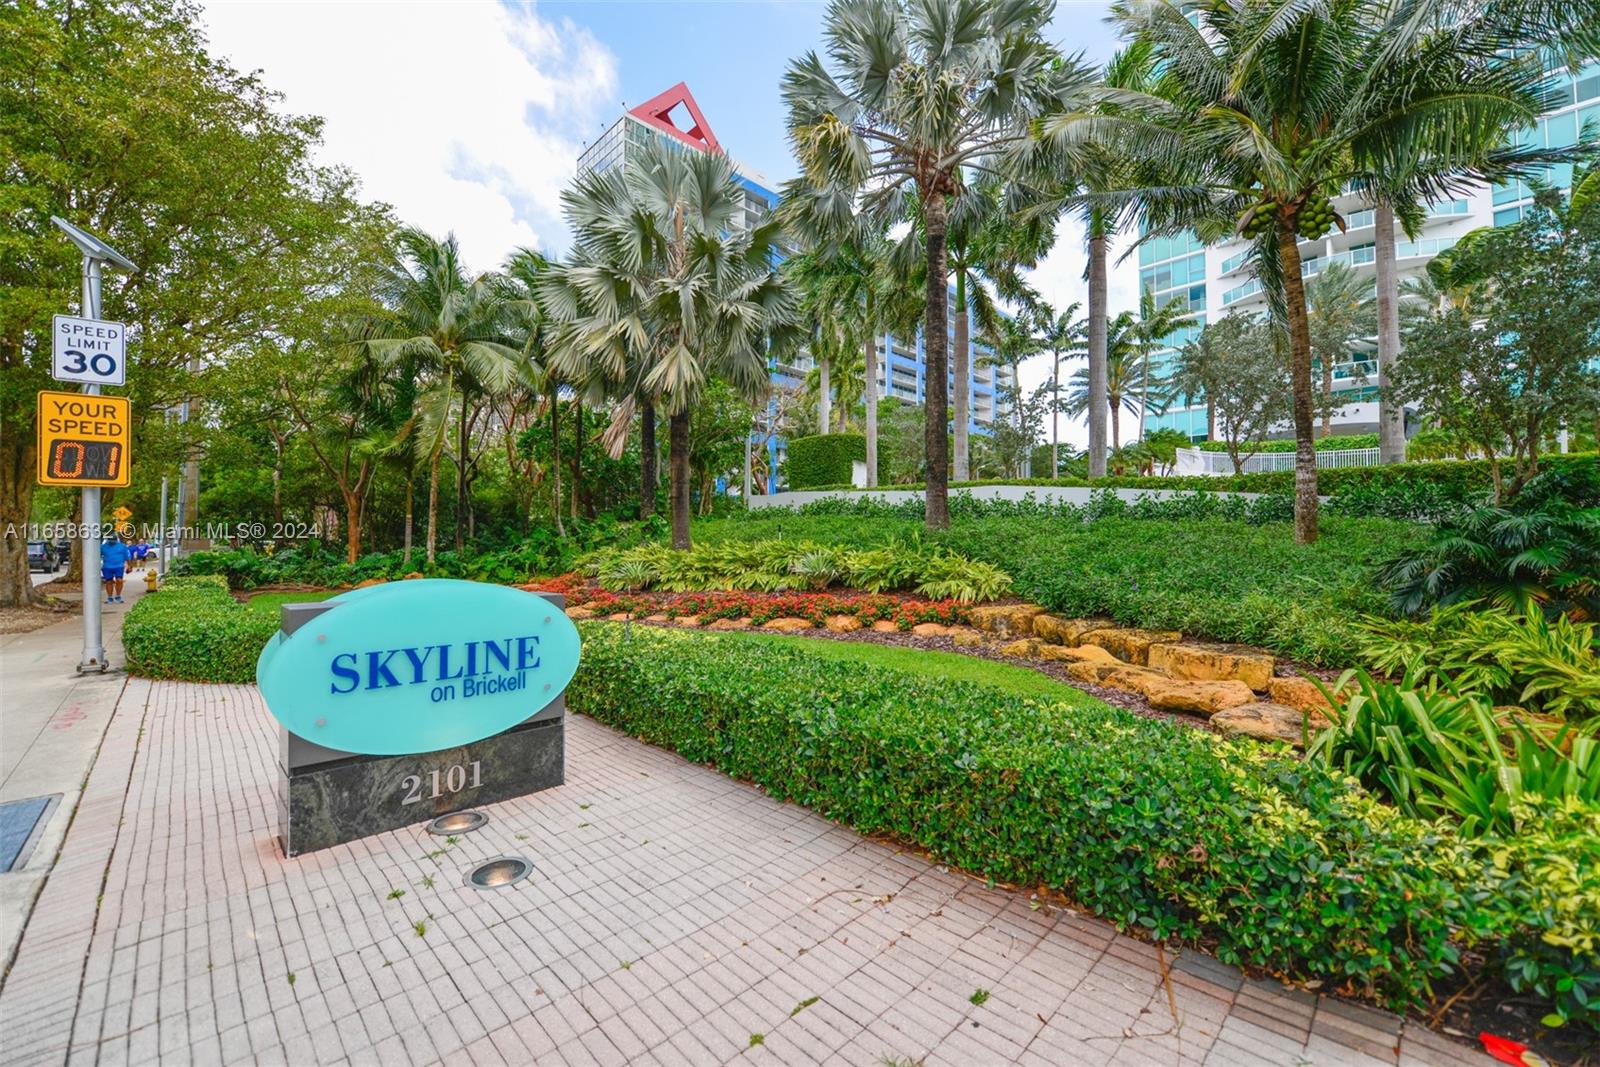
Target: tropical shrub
[(1157, 827), (824, 459), (1545, 665), (192, 629), (1543, 558), (1434, 752), (904, 612), (779, 564)]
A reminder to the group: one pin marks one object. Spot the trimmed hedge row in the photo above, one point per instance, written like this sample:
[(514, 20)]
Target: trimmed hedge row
[(824, 459), (1333, 443), (191, 629), (1153, 826), (1399, 490)]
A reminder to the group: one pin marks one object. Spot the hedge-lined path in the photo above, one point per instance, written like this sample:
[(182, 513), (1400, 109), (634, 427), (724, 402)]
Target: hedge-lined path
[(674, 916)]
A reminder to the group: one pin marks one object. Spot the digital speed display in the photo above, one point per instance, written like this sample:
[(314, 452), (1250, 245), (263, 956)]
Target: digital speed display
[(83, 439), (85, 461)]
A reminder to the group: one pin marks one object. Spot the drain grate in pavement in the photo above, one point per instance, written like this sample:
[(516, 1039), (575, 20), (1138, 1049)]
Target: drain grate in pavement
[(21, 823)]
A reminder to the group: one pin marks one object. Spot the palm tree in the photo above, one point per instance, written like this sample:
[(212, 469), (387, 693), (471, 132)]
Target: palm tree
[(662, 293), (1079, 169), (1267, 110), (456, 329), (1126, 372), (1339, 311), (924, 92), (1156, 323), (1060, 335)]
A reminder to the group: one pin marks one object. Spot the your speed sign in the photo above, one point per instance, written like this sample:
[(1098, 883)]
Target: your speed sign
[(93, 351)]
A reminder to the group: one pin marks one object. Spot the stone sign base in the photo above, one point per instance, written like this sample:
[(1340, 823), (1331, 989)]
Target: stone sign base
[(330, 803)]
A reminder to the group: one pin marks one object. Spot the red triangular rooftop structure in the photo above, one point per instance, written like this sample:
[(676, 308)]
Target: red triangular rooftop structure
[(657, 112)]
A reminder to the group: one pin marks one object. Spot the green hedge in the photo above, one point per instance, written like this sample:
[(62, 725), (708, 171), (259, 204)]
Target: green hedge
[(824, 459), (191, 629), (1155, 826), (1332, 443)]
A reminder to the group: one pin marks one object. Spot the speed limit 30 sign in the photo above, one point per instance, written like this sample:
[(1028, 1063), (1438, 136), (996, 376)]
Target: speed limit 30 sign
[(92, 351)]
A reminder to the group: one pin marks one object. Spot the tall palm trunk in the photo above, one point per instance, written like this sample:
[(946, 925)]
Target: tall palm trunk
[(935, 342), (433, 504), (1055, 418), (555, 457), (1211, 421), (1391, 413), (1327, 398), (461, 473), (678, 472), (411, 492), (1097, 349), (647, 460), (824, 397), (1305, 454), (577, 453), (1116, 428), (962, 358), (869, 355)]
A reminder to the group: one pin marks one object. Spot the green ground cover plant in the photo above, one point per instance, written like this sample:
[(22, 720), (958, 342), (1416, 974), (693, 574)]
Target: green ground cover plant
[(1270, 860), (778, 564), (1212, 576), (192, 629)]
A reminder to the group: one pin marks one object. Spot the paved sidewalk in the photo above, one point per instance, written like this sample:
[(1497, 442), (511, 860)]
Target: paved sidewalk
[(674, 916), (51, 723)]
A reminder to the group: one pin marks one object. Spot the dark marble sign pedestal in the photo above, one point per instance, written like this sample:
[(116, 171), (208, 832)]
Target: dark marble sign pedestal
[(327, 797)]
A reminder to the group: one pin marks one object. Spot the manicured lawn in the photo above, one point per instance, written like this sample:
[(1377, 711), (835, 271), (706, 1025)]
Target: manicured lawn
[(949, 666), (273, 601)]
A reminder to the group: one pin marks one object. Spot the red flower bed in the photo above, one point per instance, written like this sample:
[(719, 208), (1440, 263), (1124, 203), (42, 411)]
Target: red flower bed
[(904, 612)]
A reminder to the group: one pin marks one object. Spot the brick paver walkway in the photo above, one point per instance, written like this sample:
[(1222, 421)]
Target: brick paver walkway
[(675, 916)]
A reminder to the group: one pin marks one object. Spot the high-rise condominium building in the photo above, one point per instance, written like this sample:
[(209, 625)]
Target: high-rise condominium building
[(1214, 281)]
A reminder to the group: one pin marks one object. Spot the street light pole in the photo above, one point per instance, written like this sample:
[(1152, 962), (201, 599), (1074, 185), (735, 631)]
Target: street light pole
[(96, 253), (94, 651)]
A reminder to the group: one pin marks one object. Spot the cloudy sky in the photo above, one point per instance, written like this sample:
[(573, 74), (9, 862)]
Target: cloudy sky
[(468, 116)]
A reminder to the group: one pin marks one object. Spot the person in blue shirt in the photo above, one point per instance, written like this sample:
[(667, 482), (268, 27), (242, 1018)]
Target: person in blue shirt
[(114, 556)]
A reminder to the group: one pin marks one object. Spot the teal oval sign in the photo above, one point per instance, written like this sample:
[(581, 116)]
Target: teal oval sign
[(417, 666)]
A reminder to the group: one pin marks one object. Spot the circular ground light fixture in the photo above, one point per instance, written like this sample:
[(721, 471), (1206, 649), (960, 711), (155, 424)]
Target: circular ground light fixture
[(499, 872), (457, 822)]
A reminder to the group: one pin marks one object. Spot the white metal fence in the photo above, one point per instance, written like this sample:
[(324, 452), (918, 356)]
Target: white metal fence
[(1198, 461)]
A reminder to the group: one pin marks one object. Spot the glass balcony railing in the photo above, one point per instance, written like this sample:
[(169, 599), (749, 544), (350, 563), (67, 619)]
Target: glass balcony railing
[(1248, 289)]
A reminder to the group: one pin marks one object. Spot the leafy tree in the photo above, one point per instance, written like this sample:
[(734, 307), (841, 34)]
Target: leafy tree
[(1528, 355), (1264, 111), (1239, 366), (114, 117), (662, 291), (921, 93)]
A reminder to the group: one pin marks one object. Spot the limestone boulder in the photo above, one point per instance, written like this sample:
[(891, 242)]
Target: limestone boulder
[(965, 637), (1006, 620), (688, 620), (1197, 697), (787, 625), (1026, 648), (732, 624), (1080, 654), (1060, 631), (931, 629), (413, 576), (1113, 675), (658, 617), (368, 583), (1296, 692), (619, 616), (1214, 663), (842, 624), (1129, 644), (580, 612), (1266, 721), (885, 626)]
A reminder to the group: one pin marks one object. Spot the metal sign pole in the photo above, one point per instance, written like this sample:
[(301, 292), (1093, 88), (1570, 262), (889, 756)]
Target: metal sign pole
[(94, 652)]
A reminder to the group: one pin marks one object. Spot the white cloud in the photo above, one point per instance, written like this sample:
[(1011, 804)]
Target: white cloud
[(465, 117), (1059, 278)]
